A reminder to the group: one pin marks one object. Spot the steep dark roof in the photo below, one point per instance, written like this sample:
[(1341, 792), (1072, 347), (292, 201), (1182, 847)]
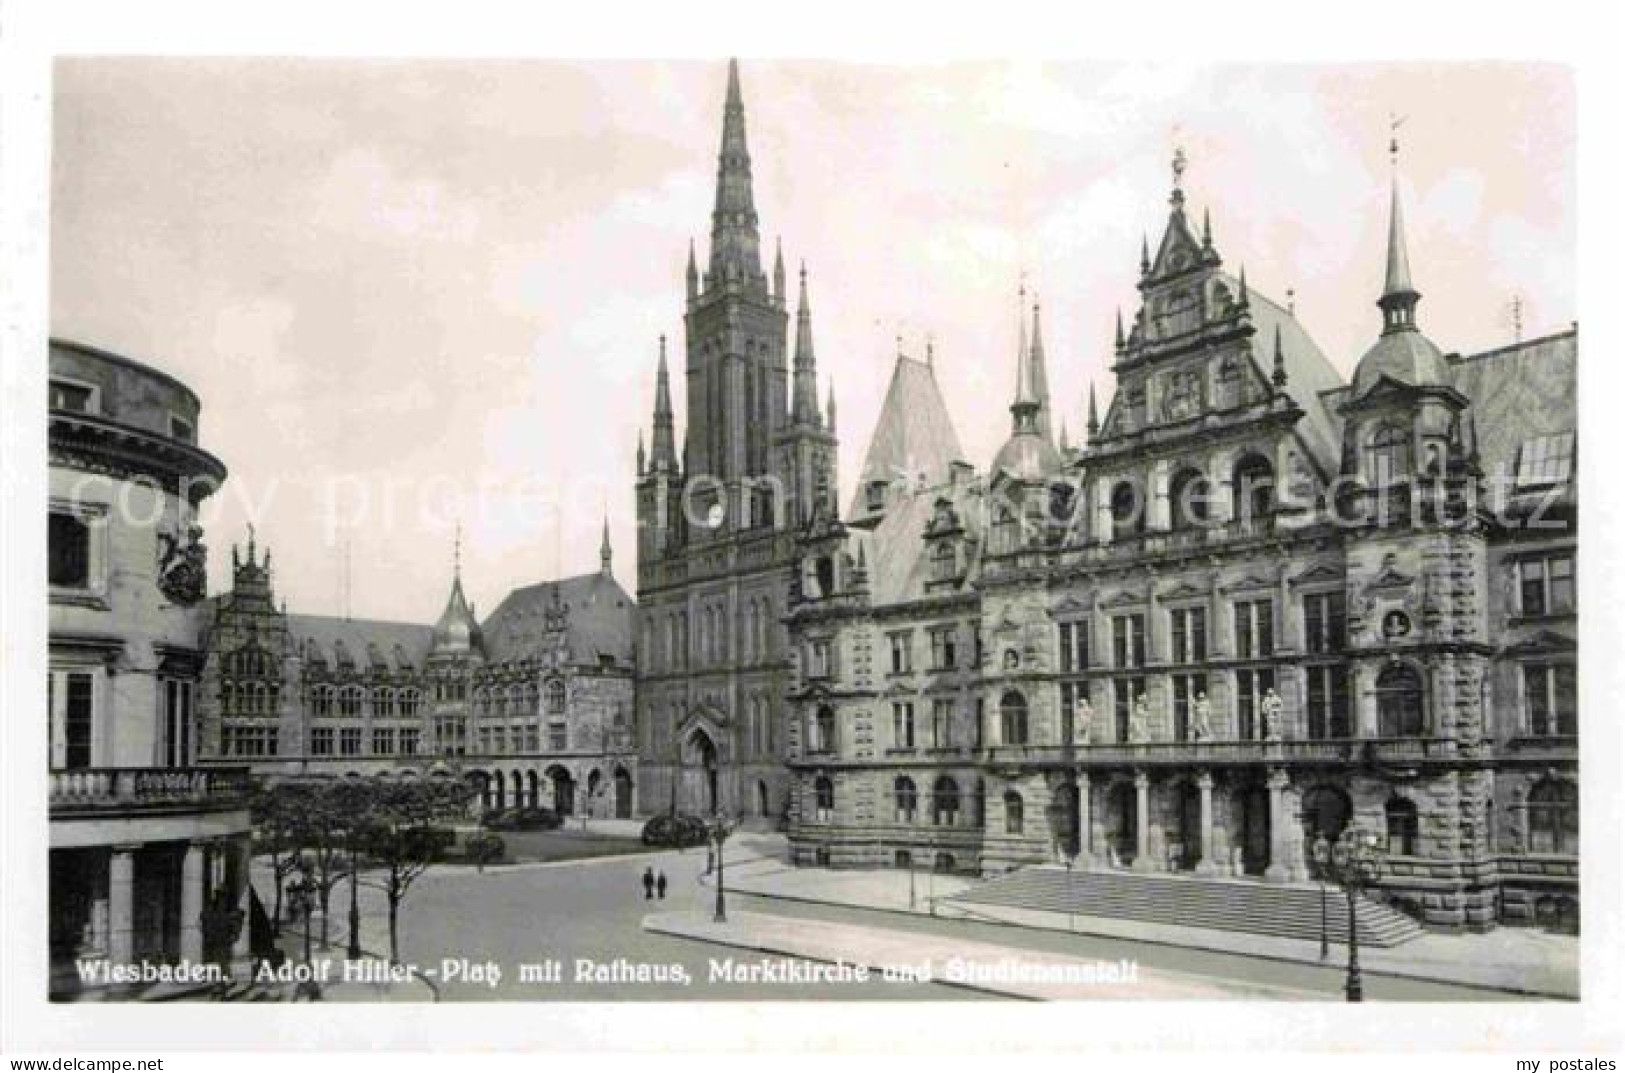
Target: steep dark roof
[(896, 554), (1308, 372), (1518, 393), (598, 613), (328, 632), (913, 438)]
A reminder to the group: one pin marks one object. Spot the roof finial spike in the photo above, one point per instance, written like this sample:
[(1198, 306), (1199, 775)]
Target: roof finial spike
[(1242, 297), (1094, 415), (1145, 255), (1119, 335), (1180, 163), (250, 543), (605, 554), (930, 350), (1291, 302), (1278, 377), (1207, 230), (829, 407), (457, 551)]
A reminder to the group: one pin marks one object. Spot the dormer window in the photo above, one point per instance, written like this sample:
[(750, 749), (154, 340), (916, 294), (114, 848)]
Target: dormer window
[(944, 561), (1545, 461), (73, 396), (875, 495)]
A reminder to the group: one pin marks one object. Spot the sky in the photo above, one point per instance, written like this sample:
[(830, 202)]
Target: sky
[(422, 298)]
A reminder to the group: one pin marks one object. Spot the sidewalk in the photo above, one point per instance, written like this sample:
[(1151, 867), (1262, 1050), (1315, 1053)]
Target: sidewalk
[(999, 970), (1520, 961)]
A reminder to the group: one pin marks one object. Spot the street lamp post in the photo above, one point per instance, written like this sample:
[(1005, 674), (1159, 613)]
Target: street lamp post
[(1354, 863), (721, 828), (1320, 852), (353, 951), (302, 893)]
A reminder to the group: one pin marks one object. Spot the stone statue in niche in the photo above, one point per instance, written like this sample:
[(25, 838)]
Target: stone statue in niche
[(1272, 708), (1083, 717), (1138, 719), (1202, 721)]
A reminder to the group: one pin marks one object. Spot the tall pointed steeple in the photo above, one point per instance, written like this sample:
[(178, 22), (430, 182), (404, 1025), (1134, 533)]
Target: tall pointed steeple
[(829, 410), (665, 449), (735, 245), (1094, 415), (693, 274), (606, 555), (778, 271), (1399, 297), (1024, 407), (1038, 374), (804, 406)]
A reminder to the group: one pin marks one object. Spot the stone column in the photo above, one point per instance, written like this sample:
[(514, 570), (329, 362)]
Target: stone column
[(1204, 789), (1278, 871), (192, 904), (1086, 859), (1143, 861), (121, 906)]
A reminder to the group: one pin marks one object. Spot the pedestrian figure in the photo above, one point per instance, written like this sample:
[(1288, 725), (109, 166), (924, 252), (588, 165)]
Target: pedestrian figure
[(648, 883), (660, 886)]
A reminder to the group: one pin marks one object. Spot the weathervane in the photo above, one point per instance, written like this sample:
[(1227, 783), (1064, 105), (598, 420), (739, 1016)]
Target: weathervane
[(1394, 123)]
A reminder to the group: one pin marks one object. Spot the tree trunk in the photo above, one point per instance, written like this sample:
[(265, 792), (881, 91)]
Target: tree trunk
[(276, 912), (394, 929), (327, 892)]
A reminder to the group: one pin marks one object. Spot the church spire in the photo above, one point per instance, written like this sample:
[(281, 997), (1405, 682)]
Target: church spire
[(805, 403), (778, 271), (693, 273), (1038, 374), (735, 244), (1094, 415), (1024, 407), (665, 453), (605, 554), (1399, 297)]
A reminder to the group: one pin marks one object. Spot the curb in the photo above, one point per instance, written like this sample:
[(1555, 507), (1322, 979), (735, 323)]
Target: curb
[(1524, 992)]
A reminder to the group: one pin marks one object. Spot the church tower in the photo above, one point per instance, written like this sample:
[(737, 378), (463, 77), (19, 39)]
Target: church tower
[(718, 510)]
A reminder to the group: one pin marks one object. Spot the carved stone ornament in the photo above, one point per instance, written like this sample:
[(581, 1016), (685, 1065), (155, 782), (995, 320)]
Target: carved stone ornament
[(183, 566)]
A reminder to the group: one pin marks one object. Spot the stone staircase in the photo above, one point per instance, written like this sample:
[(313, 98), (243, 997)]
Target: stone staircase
[(1287, 911)]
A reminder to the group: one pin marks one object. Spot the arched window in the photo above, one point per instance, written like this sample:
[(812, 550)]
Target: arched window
[(1252, 489), (1014, 813), (1013, 718), (907, 797), (945, 802), (1554, 818), (516, 700), (482, 701), (1388, 453), (1005, 537), (325, 698), (383, 702), (556, 696), (261, 704), (824, 730), (1127, 517), (1399, 702), (350, 702), (1402, 826), (824, 799), (410, 701), (1187, 499), (763, 621)]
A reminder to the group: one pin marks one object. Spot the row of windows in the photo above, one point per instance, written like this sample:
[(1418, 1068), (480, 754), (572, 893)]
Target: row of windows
[(666, 641), (946, 806), (348, 702)]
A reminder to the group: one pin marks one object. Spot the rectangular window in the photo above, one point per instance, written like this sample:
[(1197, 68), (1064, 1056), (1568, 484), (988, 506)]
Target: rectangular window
[(1545, 461), (1328, 703), (350, 741), (1546, 584), (1324, 622), (1125, 691), (978, 733), (1128, 641), (558, 737), (976, 643), (249, 740), (383, 741), (902, 661), (1188, 630), (72, 701), (944, 649), (1251, 685), (1074, 646), (178, 730), (1255, 629), (1187, 687), (902, 725), (321, 741), (409, 741), (1549, 700), (942, 723), (68, 551)]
